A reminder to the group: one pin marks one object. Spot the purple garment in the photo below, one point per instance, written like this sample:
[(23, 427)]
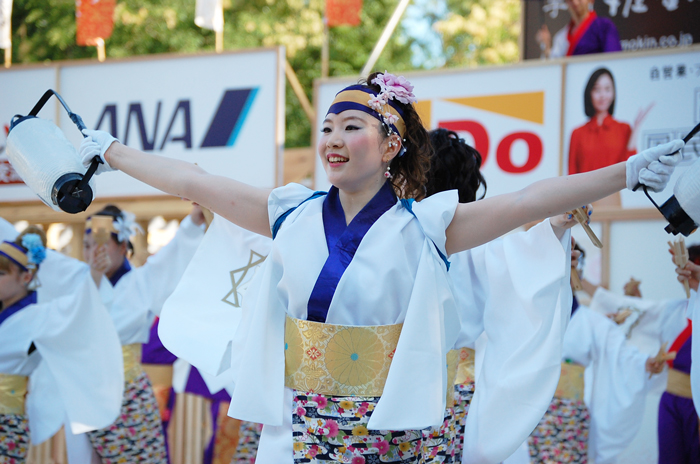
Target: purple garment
[(679, 442), (196, 386), (601, 37), (682, 361), (154, 352)]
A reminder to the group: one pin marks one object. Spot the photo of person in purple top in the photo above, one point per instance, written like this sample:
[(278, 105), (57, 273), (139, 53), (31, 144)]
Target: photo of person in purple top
[(586, 33)]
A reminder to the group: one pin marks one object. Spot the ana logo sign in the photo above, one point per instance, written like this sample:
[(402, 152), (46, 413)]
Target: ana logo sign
[(223, 129)]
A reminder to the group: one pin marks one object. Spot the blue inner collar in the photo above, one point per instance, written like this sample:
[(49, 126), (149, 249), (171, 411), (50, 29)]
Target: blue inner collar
[(119, 273), (342, 241), (30, 299)]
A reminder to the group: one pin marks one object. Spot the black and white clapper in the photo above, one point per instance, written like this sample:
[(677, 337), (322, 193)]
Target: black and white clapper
[(48, 163)]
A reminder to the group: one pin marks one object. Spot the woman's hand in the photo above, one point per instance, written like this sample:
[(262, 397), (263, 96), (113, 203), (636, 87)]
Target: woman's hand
[(690, 273), (544, 38), (96, 143), (197, 215), (653, 167), (643, 112), (654, 366), (99, 261)]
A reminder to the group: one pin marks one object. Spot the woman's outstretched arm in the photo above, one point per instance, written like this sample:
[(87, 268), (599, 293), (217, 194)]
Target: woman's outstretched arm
[(484, 220), (481, 221), (240, 203)]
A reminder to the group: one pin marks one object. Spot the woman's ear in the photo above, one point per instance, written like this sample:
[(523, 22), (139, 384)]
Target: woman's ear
[(26, 277), (392, 148)]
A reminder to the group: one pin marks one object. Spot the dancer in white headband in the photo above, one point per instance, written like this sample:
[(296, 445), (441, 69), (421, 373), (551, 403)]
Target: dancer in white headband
[(342, 347)]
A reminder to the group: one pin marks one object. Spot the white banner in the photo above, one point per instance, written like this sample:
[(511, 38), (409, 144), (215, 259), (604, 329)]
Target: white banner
[(653, 99), (200, 109), (510, 114), (5, 23)]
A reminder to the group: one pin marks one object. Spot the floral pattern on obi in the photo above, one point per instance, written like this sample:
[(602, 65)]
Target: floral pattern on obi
[(338, 360), (562, 434), (14, 438), (137, 435), (334, 429)]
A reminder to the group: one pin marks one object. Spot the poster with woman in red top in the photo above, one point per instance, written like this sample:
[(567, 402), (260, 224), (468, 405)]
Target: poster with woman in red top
[(603, 140), (618, 104)]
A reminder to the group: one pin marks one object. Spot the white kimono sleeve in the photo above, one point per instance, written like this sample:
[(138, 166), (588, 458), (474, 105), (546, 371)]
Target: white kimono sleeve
[(527, 307), (200, 318), (81, 373), (157, 278)]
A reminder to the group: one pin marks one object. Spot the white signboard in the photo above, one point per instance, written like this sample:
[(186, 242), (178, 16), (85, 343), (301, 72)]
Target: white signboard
[(510, 114), (654, 99), (224, 112)]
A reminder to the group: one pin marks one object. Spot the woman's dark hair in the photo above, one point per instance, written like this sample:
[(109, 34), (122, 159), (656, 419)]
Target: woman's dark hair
[(454, 165), (114, 212), (409, 172), (588, 101)]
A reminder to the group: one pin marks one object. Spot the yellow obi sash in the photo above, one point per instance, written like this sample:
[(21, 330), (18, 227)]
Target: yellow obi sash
[(570, 382), (338, 360), (679, 384), (132, 361), (465, 367), (460, 369), (160, 375), (13, 389)]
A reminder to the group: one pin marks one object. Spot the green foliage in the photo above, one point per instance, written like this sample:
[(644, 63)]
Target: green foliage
[(478, 32), (44, 30)]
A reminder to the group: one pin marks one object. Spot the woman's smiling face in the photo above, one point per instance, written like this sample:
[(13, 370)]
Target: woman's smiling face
[(350, 150), (603, 94)]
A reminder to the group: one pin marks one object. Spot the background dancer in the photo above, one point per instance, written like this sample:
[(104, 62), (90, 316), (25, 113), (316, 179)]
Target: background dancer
[(136, 296), (482, 276), (572, 430), (44, 375), (679, 435)]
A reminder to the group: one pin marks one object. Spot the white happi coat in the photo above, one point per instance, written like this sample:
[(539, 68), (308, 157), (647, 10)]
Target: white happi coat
[(396, 276), (76, 374), (516, 290), (138, 296)]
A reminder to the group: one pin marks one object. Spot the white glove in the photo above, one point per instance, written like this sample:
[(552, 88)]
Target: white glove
[(96, 144), (653, 167)]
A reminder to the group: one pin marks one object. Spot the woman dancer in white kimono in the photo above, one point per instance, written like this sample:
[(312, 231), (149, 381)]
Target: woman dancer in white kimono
[(59, 356), (572, 431), (357, 279), (135, 297)]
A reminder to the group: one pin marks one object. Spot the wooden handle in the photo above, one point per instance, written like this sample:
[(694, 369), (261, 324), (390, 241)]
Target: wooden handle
[(576, 280), (681, 257), (582, 218)]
